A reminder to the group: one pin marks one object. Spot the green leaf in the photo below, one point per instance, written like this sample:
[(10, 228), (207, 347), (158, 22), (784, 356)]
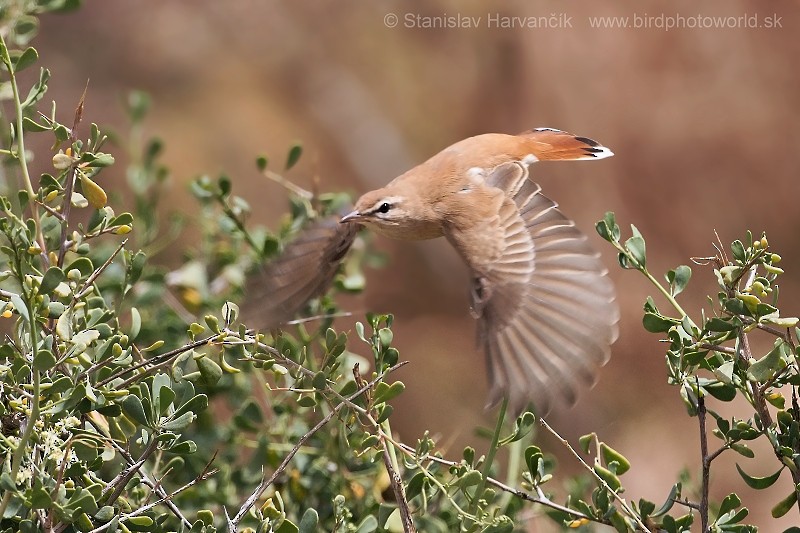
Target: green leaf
[(730, 503), (608, 476), (656, 323), (51, 279), (636, 247), (611, 455), (674, 494), (180, 422), (294, 156), (608, 228), (765, 368), (82, 264), (136, 324), (44, 360), (368, 525), (785, 505), (25, 59), (534, 459), (319, 381), (20, 307), (33, 126), (719, 325), (759, 483), (209, 370), (522, 426), (310, 521), (40, 498), (307, 401), (742, 449), (37, 91), (133, 409), (384, 392), (679, 278), (6, 483), (738, 250), (585, 441), (386, 336)]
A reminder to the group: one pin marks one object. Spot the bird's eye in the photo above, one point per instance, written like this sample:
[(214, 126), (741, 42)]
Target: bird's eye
[(384, 208)]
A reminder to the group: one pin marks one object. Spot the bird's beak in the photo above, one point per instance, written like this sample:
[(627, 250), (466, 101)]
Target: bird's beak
[(350, 217)]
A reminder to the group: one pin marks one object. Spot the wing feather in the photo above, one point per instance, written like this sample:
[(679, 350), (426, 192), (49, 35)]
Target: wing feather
[(545, 307), (303, 271)]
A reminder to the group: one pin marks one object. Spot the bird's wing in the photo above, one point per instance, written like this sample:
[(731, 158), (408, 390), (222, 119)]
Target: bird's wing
[(545, 307), (304, 270)]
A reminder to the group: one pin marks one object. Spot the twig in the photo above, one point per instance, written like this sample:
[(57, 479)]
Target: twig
[(99, 270), (687, 503), (119, 482), (613, 493), (717, 348), (319, 317), (145, 478), (233, 524), (706, 462), (399, 491), (540, 498), (157, 359), (166, 498), (69, 186), (487, 463), (288, 185)]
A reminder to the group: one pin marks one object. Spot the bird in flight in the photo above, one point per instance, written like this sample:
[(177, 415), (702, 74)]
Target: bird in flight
[(545, 307)]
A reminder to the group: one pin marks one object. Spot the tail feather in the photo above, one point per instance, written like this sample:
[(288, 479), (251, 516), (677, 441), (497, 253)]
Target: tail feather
[(548, 144)]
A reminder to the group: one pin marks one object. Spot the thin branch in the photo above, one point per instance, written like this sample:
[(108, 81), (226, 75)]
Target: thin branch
[(145, 478), (540, 498), (687, 503), (233, 524), (487, 463), (706, 463), (69, 186), (399, 491), (166, 498), (99, 270), (717, 348), (288, 185), (118, 483), (613, 493)]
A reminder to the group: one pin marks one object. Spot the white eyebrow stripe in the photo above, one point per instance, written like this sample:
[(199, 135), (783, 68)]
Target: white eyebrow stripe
[(392, 200)]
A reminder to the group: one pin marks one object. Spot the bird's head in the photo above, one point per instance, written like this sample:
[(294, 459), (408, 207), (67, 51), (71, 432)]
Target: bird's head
[(380, 209), (395, 214)]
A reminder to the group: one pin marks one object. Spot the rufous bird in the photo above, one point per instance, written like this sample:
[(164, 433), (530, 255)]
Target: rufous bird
[(545, 306)]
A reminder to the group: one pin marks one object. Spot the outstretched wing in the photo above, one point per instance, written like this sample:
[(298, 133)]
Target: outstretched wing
[(545, 307), (304, 270)]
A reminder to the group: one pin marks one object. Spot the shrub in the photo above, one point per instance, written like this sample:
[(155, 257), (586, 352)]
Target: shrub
[(122, 410)]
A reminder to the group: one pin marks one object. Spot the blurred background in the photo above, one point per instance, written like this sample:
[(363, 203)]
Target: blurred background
[(703, 122)]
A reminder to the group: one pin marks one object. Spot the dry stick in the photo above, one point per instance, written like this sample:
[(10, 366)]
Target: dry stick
[(267, 481), (706, 462), (616, 496), (399, 491), (70, 184)]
